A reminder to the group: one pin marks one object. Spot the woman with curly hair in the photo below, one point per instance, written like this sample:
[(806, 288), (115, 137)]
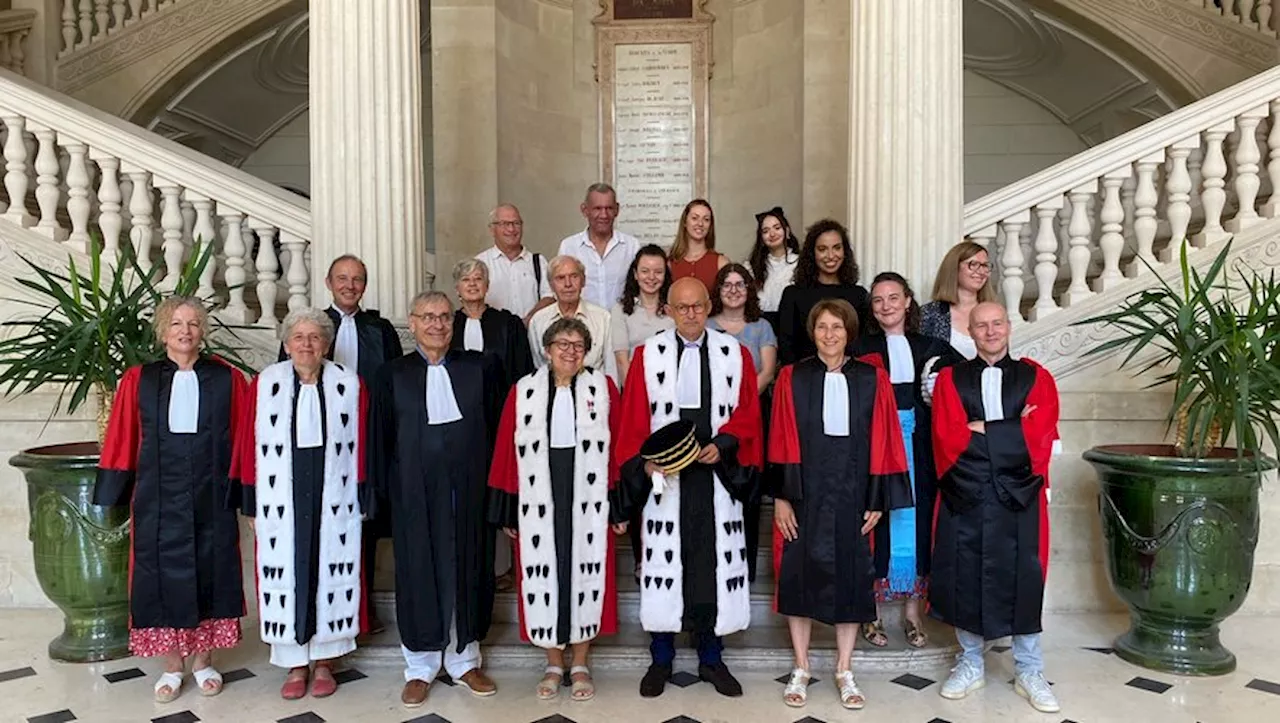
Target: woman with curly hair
[(826, 270)]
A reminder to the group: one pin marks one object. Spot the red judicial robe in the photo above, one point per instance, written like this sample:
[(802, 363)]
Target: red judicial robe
[(827, 573), (694, 573), (566, 589), (991, 550), (307, 504), (184, 559)]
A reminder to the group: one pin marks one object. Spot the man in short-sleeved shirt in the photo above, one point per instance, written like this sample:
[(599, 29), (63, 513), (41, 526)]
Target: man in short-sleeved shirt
[(518, 278), (605, 252)]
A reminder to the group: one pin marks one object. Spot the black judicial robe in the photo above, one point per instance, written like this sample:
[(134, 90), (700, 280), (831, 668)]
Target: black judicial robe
[(992, 536), (435, 480), (376, 340), (184, 562), (794, 343), (910, 395), (827, 573), (505, 339)]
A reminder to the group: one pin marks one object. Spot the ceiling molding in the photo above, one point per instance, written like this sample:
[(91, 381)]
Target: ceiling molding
[(1037, 45), (282, 62)]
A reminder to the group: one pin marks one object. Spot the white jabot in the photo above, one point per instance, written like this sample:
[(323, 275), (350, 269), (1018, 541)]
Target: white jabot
[(307, 417), (963, 343), (442, 406), (689, 375), (835, 405), (564, 432), (902, 366), (472, 336), (992, 400), (184, 403), (346, 346)]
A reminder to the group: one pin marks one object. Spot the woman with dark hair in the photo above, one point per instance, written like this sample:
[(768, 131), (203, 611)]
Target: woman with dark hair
[(903, 547), (826, 270), (773, 260), (639, 314), (694, 251), (963, 282)]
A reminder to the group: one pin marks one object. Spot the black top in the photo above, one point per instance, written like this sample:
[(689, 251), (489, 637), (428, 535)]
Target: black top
[(794, 343)]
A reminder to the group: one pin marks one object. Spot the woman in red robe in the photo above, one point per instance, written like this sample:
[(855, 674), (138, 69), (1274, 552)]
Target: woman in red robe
[(552, 488), (166, 454)]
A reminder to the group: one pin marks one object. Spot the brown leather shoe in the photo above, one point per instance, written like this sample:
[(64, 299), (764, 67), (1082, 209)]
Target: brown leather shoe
[(414, 693), (478, 683)]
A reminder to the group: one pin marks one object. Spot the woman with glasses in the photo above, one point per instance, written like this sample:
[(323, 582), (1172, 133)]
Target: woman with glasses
[(963, 282), (551, 485), (480, 327)]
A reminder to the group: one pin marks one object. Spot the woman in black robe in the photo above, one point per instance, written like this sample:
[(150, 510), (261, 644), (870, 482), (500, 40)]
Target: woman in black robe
[(479, 327), (166, 454), (835, 432)]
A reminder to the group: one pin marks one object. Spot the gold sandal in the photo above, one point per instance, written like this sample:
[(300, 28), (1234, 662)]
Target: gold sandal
[(916, 637), (874, 633)]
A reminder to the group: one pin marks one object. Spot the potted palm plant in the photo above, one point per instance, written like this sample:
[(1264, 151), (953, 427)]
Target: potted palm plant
[(1181, 520), (86, 332)]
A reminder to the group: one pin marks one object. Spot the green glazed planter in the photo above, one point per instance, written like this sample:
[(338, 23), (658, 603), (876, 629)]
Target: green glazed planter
[(1180, 535), (81, 552)]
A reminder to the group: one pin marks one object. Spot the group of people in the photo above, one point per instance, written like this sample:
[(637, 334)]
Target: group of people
[(561, 404)]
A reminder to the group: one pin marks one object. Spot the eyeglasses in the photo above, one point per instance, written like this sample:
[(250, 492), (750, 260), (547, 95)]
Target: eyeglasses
[(734, 286), (979, 266), (430, 319), (684, 309), (508, 224), (566, 346)]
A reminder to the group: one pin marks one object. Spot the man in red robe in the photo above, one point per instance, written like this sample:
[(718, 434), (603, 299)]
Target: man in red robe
[(995, 420), (694, 561)]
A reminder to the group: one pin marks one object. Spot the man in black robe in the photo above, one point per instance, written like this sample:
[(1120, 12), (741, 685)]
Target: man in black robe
[(995, 421), (363, 341), (432, 423)]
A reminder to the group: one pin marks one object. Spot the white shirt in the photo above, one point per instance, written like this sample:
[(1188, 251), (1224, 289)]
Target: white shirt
[(835, 404), (781, 272), (689, 373), (512, 284), (309, 428), (564, 430), (346, 345), (597, 321), (964, 344), (992, 400), (607, 275), (472, 335), (184, 402), (902, 366)]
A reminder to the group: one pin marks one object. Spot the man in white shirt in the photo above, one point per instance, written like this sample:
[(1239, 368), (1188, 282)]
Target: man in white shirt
[(567, 279), (518, 279), (605, 252)]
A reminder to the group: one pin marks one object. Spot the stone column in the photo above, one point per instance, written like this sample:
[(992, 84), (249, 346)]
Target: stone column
[(367, 186), (906, 173)]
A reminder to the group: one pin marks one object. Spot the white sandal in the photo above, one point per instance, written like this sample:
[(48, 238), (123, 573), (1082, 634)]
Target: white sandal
[(796, 694), (546, 690), (204, 675), (581, 690), (172, 681), (850, 696)]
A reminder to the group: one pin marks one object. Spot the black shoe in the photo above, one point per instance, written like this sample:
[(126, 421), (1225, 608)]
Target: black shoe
[(655, 681), (721, 679)]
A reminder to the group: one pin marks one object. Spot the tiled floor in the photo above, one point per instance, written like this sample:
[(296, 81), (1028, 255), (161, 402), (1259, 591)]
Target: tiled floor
[(1093, 686)]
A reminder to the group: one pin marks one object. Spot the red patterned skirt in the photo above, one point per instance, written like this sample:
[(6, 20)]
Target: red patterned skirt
[(210, 635), (919, 592)]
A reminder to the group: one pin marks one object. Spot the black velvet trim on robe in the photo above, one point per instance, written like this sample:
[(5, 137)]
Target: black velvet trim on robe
[(501, 510), (113, 487)]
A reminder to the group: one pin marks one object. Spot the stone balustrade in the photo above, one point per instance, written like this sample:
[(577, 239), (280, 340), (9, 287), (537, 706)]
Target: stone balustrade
[(72, 173), (1085, 225), (87, 21), (15, 25), (1257, 14)]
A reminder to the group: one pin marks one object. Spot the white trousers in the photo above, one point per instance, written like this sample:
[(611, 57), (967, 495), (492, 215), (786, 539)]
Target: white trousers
[(292, 655), (425, 666)]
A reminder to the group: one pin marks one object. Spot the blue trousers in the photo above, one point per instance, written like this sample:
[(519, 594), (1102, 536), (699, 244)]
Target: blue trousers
[(663, 648)]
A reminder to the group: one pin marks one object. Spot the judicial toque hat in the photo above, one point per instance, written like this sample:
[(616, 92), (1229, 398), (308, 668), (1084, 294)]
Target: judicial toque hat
[(672, 447)]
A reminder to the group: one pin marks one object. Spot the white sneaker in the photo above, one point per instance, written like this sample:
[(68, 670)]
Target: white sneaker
[(1036, 690), (965, 678)]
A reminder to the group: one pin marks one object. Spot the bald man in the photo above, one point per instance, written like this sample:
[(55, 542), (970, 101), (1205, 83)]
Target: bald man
[(995, 420), (694, 556)]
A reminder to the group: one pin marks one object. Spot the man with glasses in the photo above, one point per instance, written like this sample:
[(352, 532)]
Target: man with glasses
[(518, 278), (434, 412), (694, 575), (567, 278), (605, 252)]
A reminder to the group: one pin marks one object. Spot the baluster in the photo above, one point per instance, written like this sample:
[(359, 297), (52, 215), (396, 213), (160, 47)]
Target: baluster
[(101, 17), (1178, 188), (15, 176), (1061, 221), (118, 13), (135, 12), (1245, 11), (1080, 229), (78, 185), (205, 236), (140, 220), (47, 191), (1213, 197), (188, 225), (297, 273), (1271, 209), (1011, 261), (1111, 241), (235, 250), (1246, 177), (1194, 163), (171, 230), (110, 222), (85, 13), (18, 52), (1264, 16), (68, 26), (1046, 247), (267, 267), (1145, 224), (1264, 180), (1128, 190)]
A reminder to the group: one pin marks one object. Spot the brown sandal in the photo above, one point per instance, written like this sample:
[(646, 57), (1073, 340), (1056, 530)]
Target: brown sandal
[(874, 633), (916, 637)]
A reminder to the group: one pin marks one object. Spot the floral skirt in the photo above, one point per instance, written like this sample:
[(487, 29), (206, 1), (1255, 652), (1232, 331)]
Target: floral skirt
[(210, 635), (919, 591)]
